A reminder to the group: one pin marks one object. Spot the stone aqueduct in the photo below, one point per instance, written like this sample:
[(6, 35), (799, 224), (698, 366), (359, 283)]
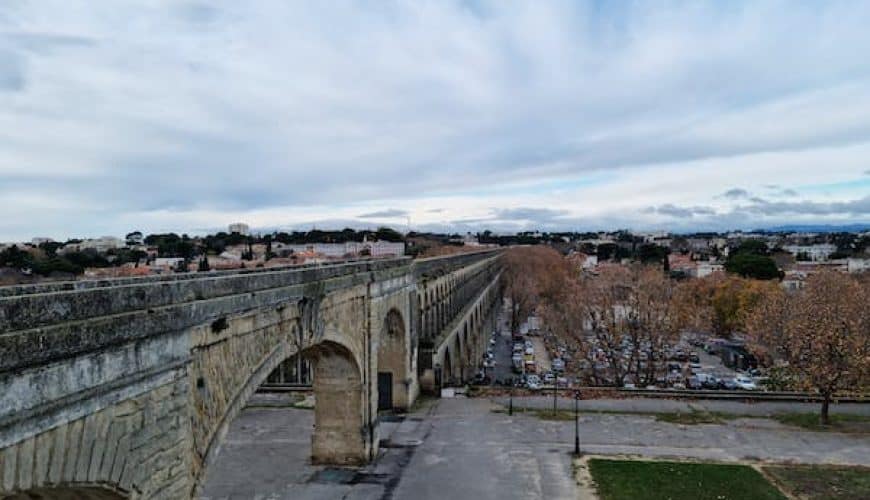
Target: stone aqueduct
[(125, 388)]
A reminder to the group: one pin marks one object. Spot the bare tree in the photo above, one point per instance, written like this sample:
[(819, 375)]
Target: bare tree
[(821, 334), (531, 274), (625, 318)]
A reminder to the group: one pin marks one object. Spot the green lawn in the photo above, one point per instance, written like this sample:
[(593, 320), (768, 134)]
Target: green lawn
[(641, 480), (823, 482), (838, 422)]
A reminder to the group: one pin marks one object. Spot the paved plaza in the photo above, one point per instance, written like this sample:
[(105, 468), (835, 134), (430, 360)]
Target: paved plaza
[(462, 449)]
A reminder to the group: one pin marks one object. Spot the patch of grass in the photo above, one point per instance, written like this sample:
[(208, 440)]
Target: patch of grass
[(558, 415), (693, 418), (819, 482), (641, 480), (838, 423)]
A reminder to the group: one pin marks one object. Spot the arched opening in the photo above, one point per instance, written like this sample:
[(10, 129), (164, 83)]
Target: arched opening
[(295, 370), (393, 368), (67, 493), (340, 432), (456, 362), (447, 375)]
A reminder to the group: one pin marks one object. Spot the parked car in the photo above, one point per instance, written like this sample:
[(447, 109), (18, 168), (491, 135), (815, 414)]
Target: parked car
[(728, 384), (693, 383), (533, 382), (745, 383), (558, 365), (708, 381)]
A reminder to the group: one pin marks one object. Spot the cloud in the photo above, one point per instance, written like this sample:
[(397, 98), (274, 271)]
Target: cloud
[(736, 193), (857, 207), (680, 212), (390, 213), (540, 215), (11, 71), (185, 118)]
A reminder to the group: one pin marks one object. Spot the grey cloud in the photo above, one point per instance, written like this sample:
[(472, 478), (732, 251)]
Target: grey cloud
[(736, 193), (11, 71), (867, 172), (385, 214), (788, 192), (680, 212), (528, 214), (858, 207)]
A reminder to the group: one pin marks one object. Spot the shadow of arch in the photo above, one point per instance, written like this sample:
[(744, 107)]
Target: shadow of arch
[(393, 363), (341, 436), (67, 493)]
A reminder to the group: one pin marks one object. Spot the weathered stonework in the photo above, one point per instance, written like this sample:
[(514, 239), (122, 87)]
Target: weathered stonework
[(125, 388)]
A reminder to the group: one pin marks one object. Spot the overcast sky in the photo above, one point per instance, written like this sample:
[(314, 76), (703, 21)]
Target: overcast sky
[(186, 116)]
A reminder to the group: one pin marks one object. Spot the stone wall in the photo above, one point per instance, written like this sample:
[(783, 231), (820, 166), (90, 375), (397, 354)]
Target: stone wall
[(126, 387), (137, 447)]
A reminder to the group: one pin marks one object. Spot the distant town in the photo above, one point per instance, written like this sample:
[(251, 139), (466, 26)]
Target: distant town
[(790, 256)]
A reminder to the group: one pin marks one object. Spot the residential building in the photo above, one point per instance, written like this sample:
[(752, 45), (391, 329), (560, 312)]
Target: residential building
[(813, 253), (239, 228), (856, 265)]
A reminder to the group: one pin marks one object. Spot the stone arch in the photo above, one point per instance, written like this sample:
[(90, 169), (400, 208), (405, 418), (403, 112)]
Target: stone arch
[(341, 435), (73, 492), (393, 361)]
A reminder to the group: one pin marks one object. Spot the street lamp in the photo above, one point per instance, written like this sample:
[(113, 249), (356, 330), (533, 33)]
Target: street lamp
[(511, 401), (576, 424)]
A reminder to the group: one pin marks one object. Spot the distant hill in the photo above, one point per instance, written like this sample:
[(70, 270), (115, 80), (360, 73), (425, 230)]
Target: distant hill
[(820, 228)]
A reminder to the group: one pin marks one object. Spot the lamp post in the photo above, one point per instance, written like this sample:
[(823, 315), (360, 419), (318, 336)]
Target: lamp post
[(438, 377), (511, 401), (576, 424)]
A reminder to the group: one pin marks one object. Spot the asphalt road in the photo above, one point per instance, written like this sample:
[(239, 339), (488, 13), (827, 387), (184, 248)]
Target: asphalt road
[(502, 351)]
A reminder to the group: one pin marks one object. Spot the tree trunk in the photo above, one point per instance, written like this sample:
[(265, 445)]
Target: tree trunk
[(826, 402)]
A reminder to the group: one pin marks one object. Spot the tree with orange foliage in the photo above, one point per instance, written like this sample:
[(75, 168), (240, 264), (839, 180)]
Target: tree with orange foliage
[(531, 274), (720, 303), (624, 319), (821, 334)]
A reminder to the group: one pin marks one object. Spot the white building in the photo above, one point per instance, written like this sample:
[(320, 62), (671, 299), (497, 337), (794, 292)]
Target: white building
[(815, 253), (99, 245), (239, 228), (351, 248), (704, 268), (167, 262), (854, 265)]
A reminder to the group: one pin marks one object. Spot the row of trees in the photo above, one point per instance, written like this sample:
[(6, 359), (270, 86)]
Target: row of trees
[(624, 320), (45, 261)]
